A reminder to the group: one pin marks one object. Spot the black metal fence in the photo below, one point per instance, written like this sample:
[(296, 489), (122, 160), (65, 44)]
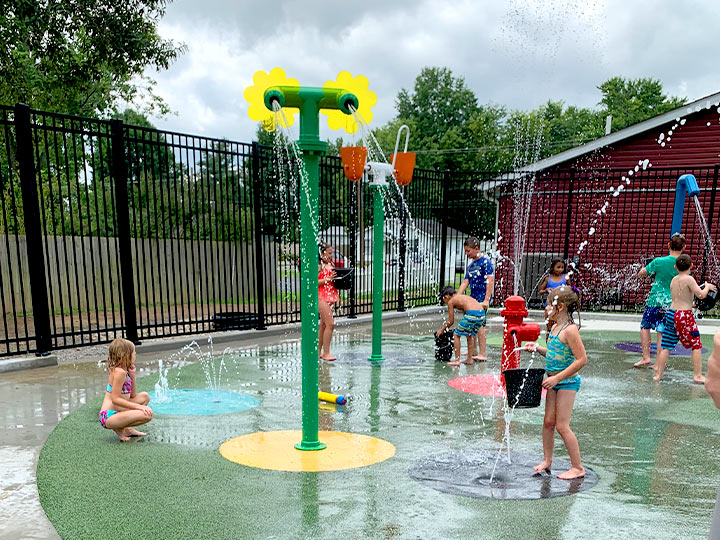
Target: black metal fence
[(113, 230)]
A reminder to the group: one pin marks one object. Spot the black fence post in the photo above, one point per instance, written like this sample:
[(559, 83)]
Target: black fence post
[(568, 215), (353, 228), (710, 220), (122, 213), (443, 242), (33, 229), (259, 255), (402, 253)]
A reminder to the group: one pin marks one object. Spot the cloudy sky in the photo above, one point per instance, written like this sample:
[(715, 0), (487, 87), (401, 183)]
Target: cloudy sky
[(517, 53)]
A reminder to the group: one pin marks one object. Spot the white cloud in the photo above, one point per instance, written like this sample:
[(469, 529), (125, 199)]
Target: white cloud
[(519, 53)]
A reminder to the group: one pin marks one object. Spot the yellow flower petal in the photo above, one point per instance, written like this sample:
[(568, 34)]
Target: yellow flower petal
[(366, 100), (255, 96)]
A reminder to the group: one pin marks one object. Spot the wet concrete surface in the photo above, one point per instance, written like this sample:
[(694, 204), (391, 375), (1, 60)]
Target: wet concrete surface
[(33, 402)]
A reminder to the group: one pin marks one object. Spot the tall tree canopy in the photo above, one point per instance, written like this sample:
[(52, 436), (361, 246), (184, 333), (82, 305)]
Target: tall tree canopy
[(81, 56), (630, 101), (438, 111), (450, 130)]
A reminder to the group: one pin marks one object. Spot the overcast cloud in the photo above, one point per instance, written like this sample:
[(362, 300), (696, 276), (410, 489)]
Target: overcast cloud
[(517, 53)]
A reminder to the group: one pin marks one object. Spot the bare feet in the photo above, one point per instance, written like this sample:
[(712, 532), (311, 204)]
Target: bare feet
[(699, 379), (455, 363), (328, 358), (134, 432), (121, 435), (574, 472), (657, 378), (479, 359), (643, 362), (544, 466), (469, 361)]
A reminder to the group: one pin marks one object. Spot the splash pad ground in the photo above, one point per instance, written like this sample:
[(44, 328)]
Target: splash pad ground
[(654, 467)]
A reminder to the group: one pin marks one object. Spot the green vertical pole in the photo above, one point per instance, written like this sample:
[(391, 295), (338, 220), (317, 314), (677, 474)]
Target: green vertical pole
[(312, 149), (378, 270)]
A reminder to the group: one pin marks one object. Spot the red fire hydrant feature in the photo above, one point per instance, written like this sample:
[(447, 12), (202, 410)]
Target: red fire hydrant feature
[(515, 332)]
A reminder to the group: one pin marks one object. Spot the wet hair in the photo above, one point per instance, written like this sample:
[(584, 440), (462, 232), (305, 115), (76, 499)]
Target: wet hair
[(322, 247), (446, 291), (120, 354), (554, 262), (677, 242), (567, 297), (472, 242), (684, 262)]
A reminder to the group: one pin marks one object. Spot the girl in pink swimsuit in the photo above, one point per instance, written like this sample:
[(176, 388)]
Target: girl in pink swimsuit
[(123, 407), (327, 296)]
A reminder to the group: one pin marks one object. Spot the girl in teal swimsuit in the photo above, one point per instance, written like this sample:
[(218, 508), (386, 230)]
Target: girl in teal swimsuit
[(565, 356), (123, 407)]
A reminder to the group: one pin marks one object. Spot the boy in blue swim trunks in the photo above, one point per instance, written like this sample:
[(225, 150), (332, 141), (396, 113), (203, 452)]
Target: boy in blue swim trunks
[(473, 319), (659, 299), (479, 277)]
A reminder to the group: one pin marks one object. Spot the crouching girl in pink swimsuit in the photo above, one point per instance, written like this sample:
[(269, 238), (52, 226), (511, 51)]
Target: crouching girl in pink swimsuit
[(123, 408)]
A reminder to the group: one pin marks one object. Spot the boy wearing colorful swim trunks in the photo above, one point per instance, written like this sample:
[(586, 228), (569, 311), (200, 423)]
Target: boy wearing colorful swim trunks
[(679, 323), (659, 299), (473, 319)]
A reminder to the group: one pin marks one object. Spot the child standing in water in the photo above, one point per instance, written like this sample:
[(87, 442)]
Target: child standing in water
[(679, 323), (659, 299), (479, 277), (468, 326), (565, 356), (123, 408), (327, 296), (555, 277)]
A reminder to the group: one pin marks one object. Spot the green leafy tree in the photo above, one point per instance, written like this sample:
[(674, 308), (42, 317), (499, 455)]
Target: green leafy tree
[(529, 136), (225, 197), (630, 101), (487, 139), (81, 56), (439, 108)]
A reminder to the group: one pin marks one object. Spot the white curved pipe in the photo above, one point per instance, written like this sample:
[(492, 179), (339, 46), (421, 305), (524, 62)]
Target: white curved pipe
[(397, 142)]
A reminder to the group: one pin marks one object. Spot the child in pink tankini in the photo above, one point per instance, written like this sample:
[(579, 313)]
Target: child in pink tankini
[(327, 296)]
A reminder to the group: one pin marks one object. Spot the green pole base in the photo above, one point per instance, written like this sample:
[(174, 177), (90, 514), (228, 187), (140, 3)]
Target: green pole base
[(310, 445), (376, 358)]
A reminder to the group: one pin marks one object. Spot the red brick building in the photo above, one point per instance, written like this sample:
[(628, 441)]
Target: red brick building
[(608, 204)]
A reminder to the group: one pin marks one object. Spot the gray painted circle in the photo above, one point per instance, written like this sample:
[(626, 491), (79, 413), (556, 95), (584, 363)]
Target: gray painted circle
[(468, 474)]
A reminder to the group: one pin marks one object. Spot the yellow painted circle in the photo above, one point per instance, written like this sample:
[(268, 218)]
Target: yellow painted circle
[(275, 450)]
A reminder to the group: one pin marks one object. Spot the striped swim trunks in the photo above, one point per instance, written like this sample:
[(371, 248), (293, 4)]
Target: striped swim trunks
[(469, 325), (680, 326)]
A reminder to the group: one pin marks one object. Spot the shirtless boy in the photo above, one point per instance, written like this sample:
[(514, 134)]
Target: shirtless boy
[(679, 324), (474, 318)]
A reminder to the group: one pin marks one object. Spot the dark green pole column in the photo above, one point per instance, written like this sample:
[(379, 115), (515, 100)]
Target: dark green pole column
[(378, 271), (312, 148), (309, 100)]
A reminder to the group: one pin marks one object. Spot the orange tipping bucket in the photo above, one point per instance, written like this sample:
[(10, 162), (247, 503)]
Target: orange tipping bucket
[(353, 159), (404, 167)]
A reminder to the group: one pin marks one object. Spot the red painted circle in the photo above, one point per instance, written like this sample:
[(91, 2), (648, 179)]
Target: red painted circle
[(482, 385)]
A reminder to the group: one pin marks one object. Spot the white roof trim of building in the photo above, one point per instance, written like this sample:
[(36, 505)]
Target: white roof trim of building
[(707, 102), (641, 127)]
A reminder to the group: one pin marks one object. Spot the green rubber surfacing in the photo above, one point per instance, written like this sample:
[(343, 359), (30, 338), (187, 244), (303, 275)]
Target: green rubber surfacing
[(175, 484)]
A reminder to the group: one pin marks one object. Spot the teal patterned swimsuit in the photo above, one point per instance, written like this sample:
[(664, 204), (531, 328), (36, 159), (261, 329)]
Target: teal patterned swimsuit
[(558, 357)]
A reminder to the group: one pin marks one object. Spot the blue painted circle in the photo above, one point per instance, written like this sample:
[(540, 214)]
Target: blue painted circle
[(192, 402)]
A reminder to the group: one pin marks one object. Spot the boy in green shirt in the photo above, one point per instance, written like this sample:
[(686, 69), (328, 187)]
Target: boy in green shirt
[(659, 299)]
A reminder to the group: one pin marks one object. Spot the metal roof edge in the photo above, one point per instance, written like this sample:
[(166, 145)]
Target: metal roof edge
[(625, 133)]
